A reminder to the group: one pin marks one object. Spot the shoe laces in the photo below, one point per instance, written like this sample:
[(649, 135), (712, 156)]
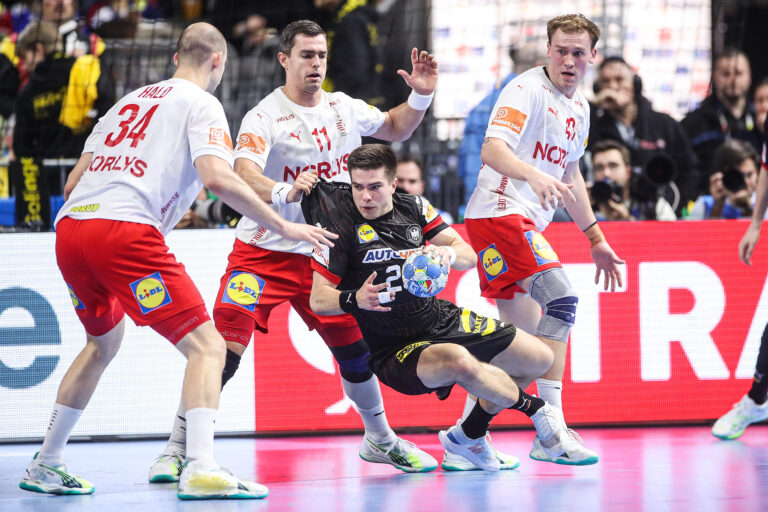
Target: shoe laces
[(400, 446), (575, 436)]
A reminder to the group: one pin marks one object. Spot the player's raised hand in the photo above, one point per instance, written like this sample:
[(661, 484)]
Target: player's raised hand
[(423, 77), (607, 262), (302, 185), (369, 296), (748, 243), (550, 190), (317, 236)]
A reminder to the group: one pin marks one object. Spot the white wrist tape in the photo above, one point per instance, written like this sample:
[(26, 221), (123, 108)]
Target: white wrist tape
[(452, 251), (280, 193), (418, 101)]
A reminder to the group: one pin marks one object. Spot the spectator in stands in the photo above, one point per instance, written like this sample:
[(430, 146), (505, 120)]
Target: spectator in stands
[(61, 13), (733, 184), (409, 180), (726, 113), (524, 58), (621, 113), (57, 108), (761, 104), (354, 63), (611, 193), (258, 70)]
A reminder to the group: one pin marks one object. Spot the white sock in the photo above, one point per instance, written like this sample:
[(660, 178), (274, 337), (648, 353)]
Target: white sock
[(177, 443), (63, 420), (551, 391), (369, 404), (201, 424), (468, 406)]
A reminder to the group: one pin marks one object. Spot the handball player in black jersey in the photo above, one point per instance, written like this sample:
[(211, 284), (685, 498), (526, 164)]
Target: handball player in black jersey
[(421, 345)]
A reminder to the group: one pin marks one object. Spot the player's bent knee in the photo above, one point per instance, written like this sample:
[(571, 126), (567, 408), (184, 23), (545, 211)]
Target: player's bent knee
[(234, 326), (353, 361), (552, 290)]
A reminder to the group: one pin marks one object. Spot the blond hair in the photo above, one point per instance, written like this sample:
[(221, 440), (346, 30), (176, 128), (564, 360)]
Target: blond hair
[(570, 23)]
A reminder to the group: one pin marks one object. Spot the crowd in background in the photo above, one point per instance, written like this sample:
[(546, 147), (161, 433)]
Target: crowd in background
[(63, 63)]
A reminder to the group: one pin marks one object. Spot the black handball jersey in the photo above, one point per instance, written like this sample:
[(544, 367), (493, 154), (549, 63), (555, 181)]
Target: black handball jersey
[(379, 245)]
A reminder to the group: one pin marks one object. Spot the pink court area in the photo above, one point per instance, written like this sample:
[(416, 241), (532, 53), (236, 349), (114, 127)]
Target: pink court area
[(643, 469)]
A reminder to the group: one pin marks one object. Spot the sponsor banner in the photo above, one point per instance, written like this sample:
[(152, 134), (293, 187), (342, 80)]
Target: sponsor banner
[(677, 343), (33, 209), (139, 393)]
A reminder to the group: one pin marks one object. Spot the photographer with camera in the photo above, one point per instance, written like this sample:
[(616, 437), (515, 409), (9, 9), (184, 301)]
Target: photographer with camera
[(620, 112), (732, 186), (618, 194)]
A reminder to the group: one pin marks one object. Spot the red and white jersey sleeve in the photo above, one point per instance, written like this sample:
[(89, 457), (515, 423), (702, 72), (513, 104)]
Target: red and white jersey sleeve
[(285, 139), (142, 167), (543, 128)]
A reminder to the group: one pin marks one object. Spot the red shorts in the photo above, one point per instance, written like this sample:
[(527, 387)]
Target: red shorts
[(115, 267), (509, 249), (257, 280)]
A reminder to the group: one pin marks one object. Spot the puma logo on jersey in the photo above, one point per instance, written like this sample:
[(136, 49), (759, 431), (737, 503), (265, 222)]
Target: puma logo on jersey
[(297, 135), (553, 111)]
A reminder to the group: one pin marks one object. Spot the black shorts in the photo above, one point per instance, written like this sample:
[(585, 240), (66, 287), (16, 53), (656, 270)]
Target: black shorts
[(484, 338)]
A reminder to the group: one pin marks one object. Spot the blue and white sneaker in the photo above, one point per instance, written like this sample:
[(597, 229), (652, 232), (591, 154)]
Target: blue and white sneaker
[(53, 479), (476, 451), (453, 462)]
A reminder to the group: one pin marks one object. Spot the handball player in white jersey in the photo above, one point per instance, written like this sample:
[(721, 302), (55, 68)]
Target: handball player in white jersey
[(536, 134), (294, 135), (139, 172)]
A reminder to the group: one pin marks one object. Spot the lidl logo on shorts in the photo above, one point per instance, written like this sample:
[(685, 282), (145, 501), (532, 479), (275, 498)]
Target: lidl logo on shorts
[(150, 293), (366, 234), (75, 300), (404, 352), (243, 289), (493, 263), (542, 251)]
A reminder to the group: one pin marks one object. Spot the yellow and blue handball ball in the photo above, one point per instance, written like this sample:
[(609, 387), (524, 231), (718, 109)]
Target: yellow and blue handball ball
[(423, 275)]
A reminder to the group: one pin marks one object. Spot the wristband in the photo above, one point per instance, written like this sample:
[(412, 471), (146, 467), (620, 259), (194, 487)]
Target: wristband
[(452, 252), (419, 101), (594, 234), (280, 193), (348, 301)]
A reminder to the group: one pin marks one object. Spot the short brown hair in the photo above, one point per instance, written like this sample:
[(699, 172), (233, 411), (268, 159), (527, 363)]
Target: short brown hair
[(369, 157), (38, 32), (198, 42), (609, 144), (570, 23), (732, 153), (301, 27)]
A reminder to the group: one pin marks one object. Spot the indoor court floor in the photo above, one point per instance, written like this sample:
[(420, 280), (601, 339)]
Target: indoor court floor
[(645, 469)]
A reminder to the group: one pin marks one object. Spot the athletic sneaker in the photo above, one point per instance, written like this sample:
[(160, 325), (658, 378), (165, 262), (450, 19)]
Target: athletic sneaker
[(402, 454), (732, 424), (205, 480), (476, 451), (166, 468), (453, 462), (554, 442), (52, 479)]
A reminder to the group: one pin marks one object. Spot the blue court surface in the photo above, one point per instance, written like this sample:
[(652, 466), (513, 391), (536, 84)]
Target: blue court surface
[(645, 469)]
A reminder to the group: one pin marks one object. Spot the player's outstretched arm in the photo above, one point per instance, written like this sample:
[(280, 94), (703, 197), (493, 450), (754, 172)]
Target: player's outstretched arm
[(218, 177), (464, 257), (270, 190), (548, 189), (76, 173), (402, 120), (580, 209), (750, 238)]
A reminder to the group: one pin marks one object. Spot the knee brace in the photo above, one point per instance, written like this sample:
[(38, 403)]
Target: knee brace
[(230, 366), (558, 300), (353, 361)]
